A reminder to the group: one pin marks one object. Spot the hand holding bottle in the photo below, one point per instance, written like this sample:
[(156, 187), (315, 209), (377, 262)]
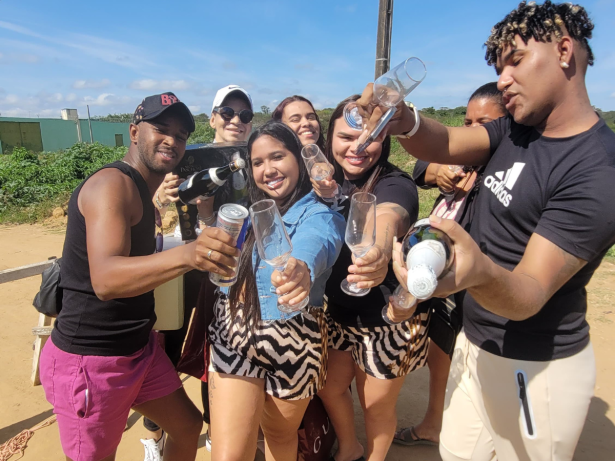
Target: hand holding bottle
[(168, 191), (469, 268)]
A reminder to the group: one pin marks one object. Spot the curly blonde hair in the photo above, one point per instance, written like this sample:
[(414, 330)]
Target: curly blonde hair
[(543, 23)]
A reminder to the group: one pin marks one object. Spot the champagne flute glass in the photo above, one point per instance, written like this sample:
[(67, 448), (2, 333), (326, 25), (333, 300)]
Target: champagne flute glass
[(318, 166), (389, 90), (454, 169), (360, 233), (316, 163), (402, 299), (274, 245)]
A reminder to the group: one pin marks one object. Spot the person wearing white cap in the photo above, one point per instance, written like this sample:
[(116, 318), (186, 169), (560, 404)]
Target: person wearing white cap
[(231, 119), (231, 114)]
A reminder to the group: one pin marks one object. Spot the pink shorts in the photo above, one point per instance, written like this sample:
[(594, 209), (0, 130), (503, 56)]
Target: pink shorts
[(92, 395)]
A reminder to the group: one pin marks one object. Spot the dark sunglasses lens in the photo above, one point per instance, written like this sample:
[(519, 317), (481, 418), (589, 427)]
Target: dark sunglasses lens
[(159, 242), (226, 113), (246, 116)]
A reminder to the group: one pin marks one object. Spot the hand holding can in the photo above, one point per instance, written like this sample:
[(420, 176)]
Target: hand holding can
[(232, 220)]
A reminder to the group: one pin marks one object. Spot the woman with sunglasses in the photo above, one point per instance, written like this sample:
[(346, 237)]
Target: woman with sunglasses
[(231, 119), (264, 367), (362, 345), (299, 114)]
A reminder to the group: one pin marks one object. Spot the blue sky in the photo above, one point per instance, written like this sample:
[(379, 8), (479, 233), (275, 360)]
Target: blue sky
[(111, 54)]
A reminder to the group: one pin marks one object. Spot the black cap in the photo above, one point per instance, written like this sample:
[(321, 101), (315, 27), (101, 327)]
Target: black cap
[(152, 106)]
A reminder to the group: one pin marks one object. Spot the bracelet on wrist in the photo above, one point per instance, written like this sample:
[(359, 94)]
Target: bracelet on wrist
[(159, 204), (415, 128), (208, 221)]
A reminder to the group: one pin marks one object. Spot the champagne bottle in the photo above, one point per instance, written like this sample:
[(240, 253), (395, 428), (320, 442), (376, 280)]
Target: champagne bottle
[(239, 184), (428, 255), (205, 183)]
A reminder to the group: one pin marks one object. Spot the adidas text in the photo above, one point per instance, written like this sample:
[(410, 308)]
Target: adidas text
[(497, 187)]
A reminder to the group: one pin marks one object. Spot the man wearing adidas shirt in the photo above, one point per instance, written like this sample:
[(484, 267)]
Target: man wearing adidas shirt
[(523, 370)]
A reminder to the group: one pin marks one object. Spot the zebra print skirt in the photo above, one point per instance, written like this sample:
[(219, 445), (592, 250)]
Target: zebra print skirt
[(290, 355), (385, 352)]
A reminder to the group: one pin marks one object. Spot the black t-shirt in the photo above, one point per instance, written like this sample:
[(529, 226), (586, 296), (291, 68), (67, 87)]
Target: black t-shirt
[(366, 311), (561, 189)]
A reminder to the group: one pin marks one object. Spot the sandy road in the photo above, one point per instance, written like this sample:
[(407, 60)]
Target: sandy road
[(23, 406)]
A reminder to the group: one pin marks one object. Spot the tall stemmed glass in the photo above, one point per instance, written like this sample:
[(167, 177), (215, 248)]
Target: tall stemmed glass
[(274, 245), (360, 233), (402, 300), (318, 166), (389, 90)]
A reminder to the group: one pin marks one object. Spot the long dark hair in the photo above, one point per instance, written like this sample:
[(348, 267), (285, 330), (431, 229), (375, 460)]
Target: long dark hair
[(278, 112), (246, 279), (382, 166), (490, 91)]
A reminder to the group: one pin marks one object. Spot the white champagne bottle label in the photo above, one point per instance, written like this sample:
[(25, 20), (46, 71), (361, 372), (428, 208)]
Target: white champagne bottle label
[(430, 253)]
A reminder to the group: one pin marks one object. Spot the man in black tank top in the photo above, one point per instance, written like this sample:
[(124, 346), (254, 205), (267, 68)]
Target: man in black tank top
[(103, 358), (523, 370)]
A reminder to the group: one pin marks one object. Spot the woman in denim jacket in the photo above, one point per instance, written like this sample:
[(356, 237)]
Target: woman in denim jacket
[(265, 367)]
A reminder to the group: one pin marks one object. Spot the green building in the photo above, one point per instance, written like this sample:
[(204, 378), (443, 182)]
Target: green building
[(51, 134)]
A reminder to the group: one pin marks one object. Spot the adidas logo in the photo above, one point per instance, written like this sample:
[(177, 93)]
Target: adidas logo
[(503, 182)]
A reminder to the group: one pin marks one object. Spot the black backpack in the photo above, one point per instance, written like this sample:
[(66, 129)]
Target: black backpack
[(48, 300)]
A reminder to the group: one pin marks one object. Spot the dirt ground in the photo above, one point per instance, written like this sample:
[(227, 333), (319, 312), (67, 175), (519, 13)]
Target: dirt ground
[(22, 406)]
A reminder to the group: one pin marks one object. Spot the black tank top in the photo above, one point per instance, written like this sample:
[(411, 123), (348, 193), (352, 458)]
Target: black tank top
[(86, 325)]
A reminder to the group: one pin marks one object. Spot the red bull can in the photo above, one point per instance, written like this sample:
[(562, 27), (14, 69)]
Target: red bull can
[(232, 220)]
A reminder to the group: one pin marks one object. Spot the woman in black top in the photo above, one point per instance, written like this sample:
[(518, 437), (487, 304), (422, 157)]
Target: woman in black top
[(361, 344)]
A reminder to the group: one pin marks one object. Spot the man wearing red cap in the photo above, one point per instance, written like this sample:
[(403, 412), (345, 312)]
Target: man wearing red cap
[(103, 358)]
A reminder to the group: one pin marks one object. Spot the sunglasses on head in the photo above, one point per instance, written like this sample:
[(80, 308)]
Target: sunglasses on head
[(227, 113)]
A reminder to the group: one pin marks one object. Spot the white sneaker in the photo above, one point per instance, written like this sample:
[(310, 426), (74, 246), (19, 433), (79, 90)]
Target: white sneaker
[(207, 442), (153, 449)]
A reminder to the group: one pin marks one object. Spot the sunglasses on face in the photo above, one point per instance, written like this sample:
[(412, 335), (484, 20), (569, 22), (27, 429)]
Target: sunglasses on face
[(159, 239), (227, 113)]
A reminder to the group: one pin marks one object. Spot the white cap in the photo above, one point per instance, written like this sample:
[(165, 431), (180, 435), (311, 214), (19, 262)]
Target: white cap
[(422, 282), (225, 91)]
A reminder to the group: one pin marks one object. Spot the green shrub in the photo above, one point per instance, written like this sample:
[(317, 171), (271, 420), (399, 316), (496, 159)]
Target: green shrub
[(28, 179)]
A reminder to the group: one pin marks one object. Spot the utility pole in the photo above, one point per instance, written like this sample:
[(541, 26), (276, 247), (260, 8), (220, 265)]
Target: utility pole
[(383, 42), (90, 124)]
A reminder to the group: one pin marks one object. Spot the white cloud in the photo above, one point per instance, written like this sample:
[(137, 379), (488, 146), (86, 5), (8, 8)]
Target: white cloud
[(11, 99), (106, 99), (71, 97), (148, 84), (194, 109), (111, 51), (91, 84), (55, 98)]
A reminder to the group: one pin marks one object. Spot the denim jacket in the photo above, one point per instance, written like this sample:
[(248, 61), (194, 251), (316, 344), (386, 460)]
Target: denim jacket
[(317, 235)]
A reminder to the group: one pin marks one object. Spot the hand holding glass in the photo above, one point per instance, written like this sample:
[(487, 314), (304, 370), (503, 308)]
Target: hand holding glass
[(274, 245), (360, 233), (402, 300), (390, 89), (317, 164)]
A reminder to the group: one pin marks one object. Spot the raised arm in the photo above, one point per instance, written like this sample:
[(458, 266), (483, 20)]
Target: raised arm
[(110, 204), (517, 294), (433, 141)]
